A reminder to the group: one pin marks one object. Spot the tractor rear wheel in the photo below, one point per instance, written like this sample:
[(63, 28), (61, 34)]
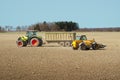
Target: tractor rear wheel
[(21, 43), (35, 42)]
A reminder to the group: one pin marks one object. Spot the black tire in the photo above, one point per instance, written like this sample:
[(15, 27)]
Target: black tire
[(21, 43), (84, 47), (40, 42), (74, 48), (19, 38), (62, 44), (35, 42), (67, 44), (95, 46), (25, 43)]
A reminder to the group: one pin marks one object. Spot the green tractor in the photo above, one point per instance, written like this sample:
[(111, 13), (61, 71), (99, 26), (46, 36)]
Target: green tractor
[(30, 38)]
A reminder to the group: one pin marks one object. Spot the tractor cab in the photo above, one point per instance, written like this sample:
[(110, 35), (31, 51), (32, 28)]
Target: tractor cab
[(82, 37), (31, 33), (79, 39)]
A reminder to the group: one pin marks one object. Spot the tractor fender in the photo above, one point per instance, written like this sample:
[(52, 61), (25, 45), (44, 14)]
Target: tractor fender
[(35, 37)]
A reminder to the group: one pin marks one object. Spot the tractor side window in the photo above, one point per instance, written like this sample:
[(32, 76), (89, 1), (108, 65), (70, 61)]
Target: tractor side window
[(77, 37), (34, 33)]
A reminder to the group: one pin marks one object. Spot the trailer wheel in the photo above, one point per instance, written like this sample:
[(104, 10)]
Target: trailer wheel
[(67, 44), (34, 42), (62, 43)]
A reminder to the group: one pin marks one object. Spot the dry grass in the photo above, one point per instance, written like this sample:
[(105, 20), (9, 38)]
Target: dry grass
[(60, 63)]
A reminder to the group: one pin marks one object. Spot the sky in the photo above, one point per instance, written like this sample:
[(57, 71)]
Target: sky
[(87, 13)]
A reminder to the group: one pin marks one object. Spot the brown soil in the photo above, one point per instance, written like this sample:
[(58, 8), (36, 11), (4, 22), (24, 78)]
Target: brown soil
[(51, 62)]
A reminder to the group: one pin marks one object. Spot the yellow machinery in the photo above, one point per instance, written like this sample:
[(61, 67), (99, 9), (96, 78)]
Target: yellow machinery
[(84, 44)]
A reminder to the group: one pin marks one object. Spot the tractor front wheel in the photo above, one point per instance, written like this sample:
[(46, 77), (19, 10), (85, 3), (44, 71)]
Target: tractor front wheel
[(84, 47), (21, 43)]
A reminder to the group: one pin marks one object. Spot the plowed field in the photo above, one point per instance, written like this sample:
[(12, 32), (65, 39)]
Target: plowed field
[(51, 62)]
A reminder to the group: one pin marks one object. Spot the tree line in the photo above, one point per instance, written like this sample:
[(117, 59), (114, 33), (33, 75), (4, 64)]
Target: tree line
[(57, 26), (11, 28), (46, 26), (110, 29)]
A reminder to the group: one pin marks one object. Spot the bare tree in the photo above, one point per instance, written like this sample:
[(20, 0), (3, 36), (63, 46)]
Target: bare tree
[(54, 27)]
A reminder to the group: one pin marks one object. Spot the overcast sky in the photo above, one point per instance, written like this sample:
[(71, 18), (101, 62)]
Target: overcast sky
[(87, 13)]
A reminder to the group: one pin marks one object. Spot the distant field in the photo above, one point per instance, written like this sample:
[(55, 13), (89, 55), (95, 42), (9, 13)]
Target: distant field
[(60, 63)]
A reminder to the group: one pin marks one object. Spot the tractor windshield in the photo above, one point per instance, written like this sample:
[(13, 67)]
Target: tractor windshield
[(83, 37), (77, 37)]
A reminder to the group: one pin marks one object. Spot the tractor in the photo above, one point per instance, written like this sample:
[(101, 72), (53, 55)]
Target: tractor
[(84, 44), (30, 38)]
